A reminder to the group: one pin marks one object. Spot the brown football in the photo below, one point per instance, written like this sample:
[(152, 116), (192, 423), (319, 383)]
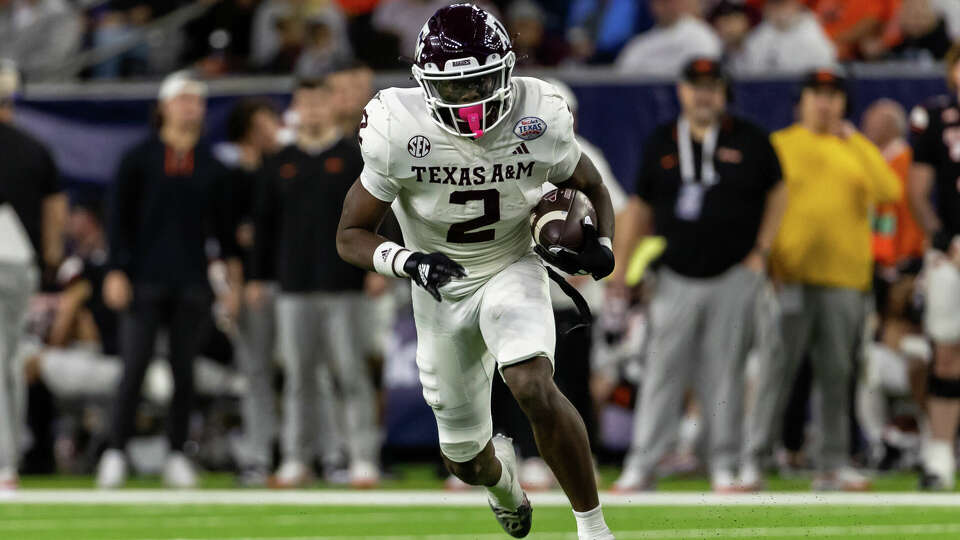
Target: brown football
[(557, 219)]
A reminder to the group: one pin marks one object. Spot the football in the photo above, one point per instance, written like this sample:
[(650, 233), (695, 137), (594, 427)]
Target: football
[(556, 221)]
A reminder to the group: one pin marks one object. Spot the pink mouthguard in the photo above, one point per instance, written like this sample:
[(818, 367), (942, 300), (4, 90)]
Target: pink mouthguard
[(471, 115)]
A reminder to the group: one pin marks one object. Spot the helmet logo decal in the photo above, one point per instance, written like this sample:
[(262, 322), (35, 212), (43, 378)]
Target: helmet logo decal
[(529, 128), (418, 146), (422, 39), (498, 27)]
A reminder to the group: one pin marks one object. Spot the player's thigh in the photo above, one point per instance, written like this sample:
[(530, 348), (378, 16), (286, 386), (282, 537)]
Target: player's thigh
[(946, 360), (455, 373), (516, 316), (942, 317)]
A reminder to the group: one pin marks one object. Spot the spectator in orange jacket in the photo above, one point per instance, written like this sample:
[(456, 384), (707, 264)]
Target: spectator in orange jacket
[(897, 238), (852, 22)]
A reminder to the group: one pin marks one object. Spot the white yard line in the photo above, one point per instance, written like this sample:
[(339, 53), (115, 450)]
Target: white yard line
[(471, 498), (728, 532), (306, 517)]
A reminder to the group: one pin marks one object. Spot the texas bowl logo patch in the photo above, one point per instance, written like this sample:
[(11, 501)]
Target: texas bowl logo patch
[(418, 146), (530, 128)]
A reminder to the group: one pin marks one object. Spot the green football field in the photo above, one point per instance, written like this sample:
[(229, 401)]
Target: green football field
[(166, 522), (412, 506)]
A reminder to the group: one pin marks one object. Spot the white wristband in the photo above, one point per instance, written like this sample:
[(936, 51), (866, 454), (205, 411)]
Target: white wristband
[(388, 259), (399, 260), (606, 242)]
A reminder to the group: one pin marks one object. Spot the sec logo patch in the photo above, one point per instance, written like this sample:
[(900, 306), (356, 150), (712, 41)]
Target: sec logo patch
[(530, 128), (418, 146)]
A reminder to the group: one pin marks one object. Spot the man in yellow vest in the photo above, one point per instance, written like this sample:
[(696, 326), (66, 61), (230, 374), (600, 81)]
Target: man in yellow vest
[(822, 263)]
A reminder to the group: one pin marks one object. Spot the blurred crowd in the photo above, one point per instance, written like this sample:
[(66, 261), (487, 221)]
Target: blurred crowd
[(102, 39), (255, 349), (162, 291)]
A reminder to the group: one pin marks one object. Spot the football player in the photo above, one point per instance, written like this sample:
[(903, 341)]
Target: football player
[(461, 160), (936, 167)]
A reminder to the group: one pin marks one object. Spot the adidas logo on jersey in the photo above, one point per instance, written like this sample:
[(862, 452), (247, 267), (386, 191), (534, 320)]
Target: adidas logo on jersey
[(384, 254), (522, 149)]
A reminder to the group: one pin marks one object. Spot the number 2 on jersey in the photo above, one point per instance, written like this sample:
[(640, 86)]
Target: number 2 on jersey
[(464, 233)]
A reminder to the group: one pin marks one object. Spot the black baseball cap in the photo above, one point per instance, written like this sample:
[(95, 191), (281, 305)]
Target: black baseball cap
[(703, 67), (826, 78)]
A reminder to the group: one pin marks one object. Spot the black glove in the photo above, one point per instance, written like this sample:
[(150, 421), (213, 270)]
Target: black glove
[(553, 259), (432, 271), (594, 258)]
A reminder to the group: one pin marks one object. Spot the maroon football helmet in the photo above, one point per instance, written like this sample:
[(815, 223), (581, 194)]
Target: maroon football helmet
[(463, 62)]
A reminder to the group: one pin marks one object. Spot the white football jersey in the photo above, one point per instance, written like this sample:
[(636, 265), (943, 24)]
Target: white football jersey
[(469, 199)]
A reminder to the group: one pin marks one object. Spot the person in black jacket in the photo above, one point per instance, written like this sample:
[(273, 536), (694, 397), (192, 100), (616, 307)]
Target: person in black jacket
[(298, 209), (33, 209), (170, 197)]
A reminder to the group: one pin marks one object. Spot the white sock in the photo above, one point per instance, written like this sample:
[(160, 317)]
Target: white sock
[(938, 459), (506, 493), (591, 526)]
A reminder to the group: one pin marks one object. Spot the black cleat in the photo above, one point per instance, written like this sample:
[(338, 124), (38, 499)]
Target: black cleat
[(517, 522)]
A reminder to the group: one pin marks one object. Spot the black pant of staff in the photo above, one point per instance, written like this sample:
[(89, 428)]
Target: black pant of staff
[(185, 313)]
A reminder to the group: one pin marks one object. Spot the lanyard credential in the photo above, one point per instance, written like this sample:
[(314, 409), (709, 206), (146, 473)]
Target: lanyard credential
[(688, 173), (691, 194)]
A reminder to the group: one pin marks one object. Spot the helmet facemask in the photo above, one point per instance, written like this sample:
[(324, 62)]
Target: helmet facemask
[(472, 100)]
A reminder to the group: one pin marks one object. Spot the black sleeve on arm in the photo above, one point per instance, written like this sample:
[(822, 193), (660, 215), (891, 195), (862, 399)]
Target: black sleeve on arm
[(924, 132), (771, 171), (264, 263), (225, 217), (50, 177), (123, 211), (648, 168), (242, 194)]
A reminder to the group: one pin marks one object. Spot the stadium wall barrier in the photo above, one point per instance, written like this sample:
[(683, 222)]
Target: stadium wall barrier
[(89, 126)]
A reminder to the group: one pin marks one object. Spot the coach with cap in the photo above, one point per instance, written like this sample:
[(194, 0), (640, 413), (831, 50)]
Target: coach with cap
[(822, 261), (170, 196), (709, 183)]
